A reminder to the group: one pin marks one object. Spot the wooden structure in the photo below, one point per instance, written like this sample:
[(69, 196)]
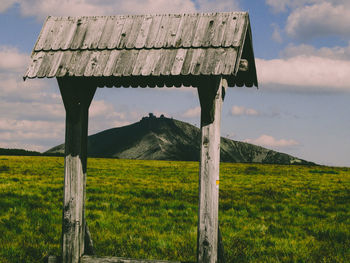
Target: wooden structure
[(209, 51)]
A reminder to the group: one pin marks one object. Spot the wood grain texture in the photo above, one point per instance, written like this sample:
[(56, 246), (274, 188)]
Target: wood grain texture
[(150, 61), (102, 62), (241, 28), (123, 59), (230, 30), (80, 32), (173, 27), (45, 65), (92, 63), (55, 64), (129, 64), (64, 64), (162, 31), (202, 27), (115, 36), (76, 97), (219, 27), (126, 32), (95, 26), (211, 93), (134, 32), (197, 60), (34, 67), (153, 31), (203, 44), (111, 62), (39, 45), (79, 67), (53, 33), (107, 33), (135, 62), (179, 61), (65, 34), (179, 32), (142, 31), (188, 32)]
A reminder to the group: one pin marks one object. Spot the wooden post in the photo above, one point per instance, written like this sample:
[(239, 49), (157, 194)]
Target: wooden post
[(77, 96), (211, 94)]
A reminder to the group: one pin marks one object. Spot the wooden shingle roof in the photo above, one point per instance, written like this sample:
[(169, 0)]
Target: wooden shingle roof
[(135, 46)]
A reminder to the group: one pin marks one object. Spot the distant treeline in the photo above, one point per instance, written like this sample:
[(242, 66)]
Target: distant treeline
[(22, 152)]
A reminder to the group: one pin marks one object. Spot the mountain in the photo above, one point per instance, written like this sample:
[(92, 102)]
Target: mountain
[(163, 138)]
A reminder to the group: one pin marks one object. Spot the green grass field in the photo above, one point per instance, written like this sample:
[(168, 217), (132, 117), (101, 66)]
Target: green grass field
[(148, 209)]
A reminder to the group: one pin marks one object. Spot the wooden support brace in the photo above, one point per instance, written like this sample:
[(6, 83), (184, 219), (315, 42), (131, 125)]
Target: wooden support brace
[(221, 252), (77, 96), (211, 94), (88, 245)]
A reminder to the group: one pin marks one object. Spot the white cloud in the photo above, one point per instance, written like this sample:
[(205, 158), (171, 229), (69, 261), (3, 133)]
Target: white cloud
[(305, 73), (30, 130), (32, 112), (322, 19), (192, 113), (283, 5), (270, 141), (6, 4), (276, 34), (155, 6), (30, 134), (218, 6), (339, 53), (33, 126), (100, 108), (241, 110), (12, 59), (277, 5), (104, 115), (306, 68), (229, 135), (41, 9), (120, 123), (314, 18)]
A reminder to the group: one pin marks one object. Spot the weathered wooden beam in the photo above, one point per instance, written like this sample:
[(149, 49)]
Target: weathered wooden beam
[(211, 94), (95, 259), (77, 96)]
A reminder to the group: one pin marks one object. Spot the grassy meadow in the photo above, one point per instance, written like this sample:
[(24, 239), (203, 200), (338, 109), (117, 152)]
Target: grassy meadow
[(148, 209)]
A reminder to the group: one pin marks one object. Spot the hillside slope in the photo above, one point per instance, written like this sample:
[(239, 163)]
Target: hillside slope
[(168, 139)]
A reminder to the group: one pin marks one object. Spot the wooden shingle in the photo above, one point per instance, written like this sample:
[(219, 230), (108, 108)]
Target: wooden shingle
[(177, 45)]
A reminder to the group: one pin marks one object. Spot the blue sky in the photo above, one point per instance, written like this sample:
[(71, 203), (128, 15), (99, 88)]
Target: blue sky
[(302, 51)]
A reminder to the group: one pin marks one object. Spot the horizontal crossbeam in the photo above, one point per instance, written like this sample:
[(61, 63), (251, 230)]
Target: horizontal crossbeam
[(96, 259)]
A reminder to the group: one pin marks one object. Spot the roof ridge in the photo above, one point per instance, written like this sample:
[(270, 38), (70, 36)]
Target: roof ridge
[(150, 14)]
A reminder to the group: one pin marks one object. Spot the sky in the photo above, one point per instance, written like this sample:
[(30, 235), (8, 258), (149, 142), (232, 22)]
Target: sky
[(302, 53)]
